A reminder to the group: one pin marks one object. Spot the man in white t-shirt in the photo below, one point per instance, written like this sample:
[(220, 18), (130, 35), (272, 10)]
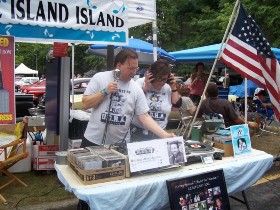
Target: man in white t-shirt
[(114, 99), (187, 108)]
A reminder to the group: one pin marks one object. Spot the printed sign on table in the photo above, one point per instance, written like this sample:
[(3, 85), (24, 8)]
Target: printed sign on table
[(156, 153), (241, 141)]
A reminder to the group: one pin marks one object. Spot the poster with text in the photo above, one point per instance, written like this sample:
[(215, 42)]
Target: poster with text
[(202, 191), (7, 80), (155, 154), (241, 141)]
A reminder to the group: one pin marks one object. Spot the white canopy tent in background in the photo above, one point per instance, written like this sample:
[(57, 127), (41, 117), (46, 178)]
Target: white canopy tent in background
[(23, 69)]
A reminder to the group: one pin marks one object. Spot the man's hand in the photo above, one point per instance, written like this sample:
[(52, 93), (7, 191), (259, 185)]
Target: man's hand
[(112, 87)]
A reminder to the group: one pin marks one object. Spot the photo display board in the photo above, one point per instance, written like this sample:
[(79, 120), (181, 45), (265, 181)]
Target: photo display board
[(201, 191)]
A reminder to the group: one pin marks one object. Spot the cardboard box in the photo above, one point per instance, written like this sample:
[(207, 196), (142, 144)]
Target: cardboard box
[(127, 168), (44, 163), (44, 150), (98, 175), (227, 147)]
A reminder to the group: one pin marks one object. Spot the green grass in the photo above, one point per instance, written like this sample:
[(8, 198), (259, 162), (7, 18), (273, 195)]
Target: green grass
[(43, 186)]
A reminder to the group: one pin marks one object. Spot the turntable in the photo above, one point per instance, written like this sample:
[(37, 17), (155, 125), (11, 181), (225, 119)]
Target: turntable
[(195, 150)]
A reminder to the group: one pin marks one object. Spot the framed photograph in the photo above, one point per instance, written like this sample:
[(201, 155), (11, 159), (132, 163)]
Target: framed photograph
[(202, 191)]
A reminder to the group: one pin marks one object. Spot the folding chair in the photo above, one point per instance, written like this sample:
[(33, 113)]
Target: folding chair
[(184, 125), (13, 153), (265, 121)]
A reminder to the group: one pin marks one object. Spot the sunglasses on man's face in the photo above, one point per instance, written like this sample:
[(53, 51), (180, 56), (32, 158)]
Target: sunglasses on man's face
[(161, 80)]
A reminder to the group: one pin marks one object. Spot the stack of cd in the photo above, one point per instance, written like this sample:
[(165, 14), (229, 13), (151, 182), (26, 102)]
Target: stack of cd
[(95, 157)]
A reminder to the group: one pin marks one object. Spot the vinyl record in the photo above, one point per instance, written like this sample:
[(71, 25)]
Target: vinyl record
[(193, 147)]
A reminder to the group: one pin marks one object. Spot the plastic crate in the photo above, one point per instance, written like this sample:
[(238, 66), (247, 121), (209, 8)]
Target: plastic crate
[(77, 129)]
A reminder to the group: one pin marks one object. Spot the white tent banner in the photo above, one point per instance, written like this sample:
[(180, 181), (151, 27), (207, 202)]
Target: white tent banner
[(23, 69), (140, 12), (74, 21), (97, 21)]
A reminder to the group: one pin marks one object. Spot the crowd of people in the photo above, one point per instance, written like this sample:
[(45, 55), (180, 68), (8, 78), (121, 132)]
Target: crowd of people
[(124, 110)]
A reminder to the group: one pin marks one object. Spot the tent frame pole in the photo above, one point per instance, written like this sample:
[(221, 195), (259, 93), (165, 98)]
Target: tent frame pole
[(236, 7)]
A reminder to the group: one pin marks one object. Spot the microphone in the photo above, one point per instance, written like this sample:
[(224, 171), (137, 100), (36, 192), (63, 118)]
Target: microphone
[(117, 74)]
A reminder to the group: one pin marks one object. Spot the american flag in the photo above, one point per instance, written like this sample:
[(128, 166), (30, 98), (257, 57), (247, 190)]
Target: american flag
[(248, 52)]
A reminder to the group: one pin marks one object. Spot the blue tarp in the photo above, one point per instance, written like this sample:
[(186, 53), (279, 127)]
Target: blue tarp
[(239, 90), (206, 54), (144, 50)]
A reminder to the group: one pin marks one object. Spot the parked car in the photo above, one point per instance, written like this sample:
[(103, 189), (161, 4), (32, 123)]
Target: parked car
[(24, 81), (23, 103), (37, 89), (80, 85)]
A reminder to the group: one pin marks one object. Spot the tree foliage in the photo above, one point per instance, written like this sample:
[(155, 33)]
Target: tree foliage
[(181, 24)]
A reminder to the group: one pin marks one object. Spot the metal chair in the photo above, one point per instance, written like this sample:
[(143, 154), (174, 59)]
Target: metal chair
[(13, 153), (265, 121), (184, 125)]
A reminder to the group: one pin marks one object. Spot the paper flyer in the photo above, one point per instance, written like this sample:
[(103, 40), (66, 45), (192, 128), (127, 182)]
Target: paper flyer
[(156, 153)]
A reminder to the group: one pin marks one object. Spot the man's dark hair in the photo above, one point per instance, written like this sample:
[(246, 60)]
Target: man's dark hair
[(123, 55), (212, 90), (261, 92), (160, 67), (199, 64)]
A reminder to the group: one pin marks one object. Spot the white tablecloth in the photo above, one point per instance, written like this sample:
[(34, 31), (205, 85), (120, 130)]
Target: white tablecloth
[(150, 191)]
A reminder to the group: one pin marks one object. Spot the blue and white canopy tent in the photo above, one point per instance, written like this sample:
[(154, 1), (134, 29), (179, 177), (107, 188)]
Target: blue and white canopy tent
[(144, 50), (206, 54)]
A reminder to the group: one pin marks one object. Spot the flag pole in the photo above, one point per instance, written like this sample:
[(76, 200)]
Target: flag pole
[(154, 30), (246, 100), (229, 26)]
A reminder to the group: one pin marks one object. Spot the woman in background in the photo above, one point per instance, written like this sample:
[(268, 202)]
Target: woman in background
[(198, 82)]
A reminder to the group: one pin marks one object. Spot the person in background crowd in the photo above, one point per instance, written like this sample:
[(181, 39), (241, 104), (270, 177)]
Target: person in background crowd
[(114, 98), (213, 104), (198, 82), (161, 93), (188, 108), (226, 81), (263, 106)]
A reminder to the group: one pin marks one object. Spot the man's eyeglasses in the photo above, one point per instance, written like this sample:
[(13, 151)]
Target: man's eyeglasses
[(161, 80), (134, 69)]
